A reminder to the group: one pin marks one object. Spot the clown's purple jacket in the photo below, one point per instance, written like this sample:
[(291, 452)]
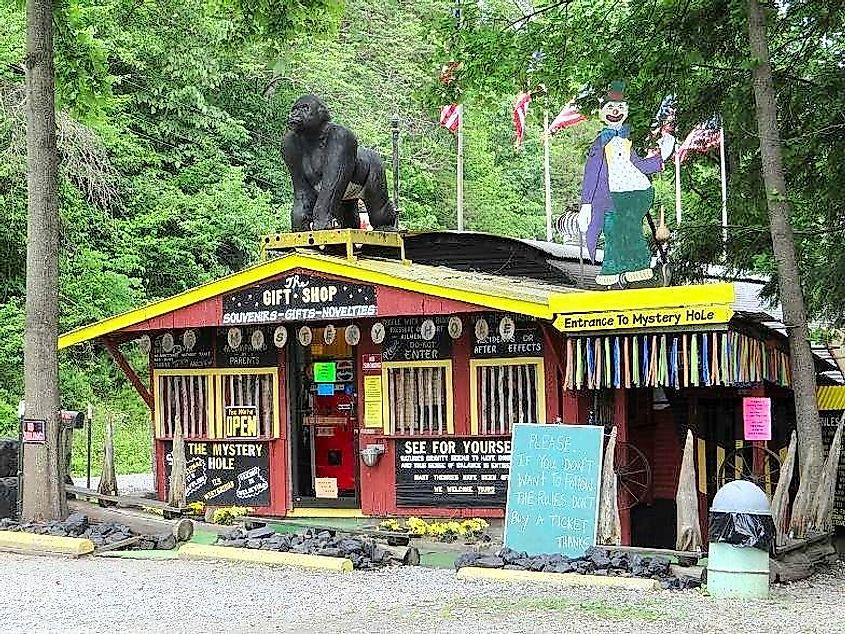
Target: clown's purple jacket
[(596, 191)]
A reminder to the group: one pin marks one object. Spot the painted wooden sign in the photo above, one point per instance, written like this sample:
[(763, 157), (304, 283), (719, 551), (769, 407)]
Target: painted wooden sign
[(299, 297), (225, 473), (467, 472), (644, 318), (757, 418), (246, 347), (507, 336), (191, 348), (416, 339), (553, 493)]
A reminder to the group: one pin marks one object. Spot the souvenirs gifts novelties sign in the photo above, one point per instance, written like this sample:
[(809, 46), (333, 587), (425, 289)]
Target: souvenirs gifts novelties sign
[(299, 297), (225, 473), (454, 472), (553, 493)]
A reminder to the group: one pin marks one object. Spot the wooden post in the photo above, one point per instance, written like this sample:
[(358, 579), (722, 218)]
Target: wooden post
[(176, 497), (108, 479)]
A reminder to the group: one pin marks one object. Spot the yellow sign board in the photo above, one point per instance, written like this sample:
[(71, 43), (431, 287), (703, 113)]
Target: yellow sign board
[(372, 401), (644, 318)]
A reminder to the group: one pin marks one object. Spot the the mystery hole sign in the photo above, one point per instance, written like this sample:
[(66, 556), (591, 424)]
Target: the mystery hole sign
[(225, 473), (456, 472)]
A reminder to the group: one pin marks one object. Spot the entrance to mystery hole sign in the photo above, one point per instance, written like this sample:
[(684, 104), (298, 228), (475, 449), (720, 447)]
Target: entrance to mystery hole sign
[(324, 456)]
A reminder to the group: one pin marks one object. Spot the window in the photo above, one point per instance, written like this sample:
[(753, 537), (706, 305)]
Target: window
[(252, 392), (505, 392), (419, 398), (184, 396)]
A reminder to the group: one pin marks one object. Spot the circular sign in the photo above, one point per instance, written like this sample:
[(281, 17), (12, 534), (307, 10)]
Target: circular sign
[(234, 337), (144, 344), (280, 336), (456, 327), (507, 329), (352, 335), (482, 329), (167, 342), (189, 339), (257, 339), (329, 334), (428, 330), (305, 336), (377, 332)]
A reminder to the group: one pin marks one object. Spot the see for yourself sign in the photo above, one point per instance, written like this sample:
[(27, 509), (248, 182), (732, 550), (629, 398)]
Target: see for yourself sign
[(645, 318)]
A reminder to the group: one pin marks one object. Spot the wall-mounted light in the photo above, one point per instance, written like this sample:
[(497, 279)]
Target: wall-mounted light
[(371, 454)]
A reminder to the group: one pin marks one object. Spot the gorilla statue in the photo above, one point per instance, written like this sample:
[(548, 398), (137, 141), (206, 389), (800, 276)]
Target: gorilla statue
[(330, 173)]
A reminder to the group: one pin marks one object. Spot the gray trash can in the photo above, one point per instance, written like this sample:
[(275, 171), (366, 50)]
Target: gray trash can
[(741, 531)]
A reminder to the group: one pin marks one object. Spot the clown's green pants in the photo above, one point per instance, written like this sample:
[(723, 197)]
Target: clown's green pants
[(625, 247)]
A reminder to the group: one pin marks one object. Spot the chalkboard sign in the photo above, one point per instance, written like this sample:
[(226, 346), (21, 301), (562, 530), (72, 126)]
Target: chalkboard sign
[(453, 472), (829, 420), (299, 297), (553, 492), (225, 473), (191, 348), (526, 339), (255, 347), (404, 341)]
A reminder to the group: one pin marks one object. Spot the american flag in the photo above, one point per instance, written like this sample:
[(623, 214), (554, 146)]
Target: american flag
[(520, 111), (665, 118), (705, 136), (568, 117), (450, 117)]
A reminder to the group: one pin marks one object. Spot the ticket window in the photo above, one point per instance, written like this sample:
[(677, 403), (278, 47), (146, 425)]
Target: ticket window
[(326, 457)]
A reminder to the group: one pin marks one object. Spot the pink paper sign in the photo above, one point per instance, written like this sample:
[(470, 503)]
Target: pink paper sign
[(757, 416)]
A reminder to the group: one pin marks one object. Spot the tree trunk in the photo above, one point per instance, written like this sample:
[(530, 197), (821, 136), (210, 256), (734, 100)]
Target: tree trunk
[(43, 481), (791, 296)]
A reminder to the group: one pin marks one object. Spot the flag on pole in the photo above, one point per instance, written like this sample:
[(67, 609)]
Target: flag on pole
[(520, 111), (665, 118), (568, 117), (450, 117), (705, 136)]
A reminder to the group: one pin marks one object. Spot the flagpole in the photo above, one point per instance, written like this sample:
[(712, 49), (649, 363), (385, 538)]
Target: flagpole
[(460, 167), (677, 187), (724, 189), (547, 174)]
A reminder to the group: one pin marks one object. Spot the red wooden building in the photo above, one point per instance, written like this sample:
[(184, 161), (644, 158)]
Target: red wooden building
[(329, 382)]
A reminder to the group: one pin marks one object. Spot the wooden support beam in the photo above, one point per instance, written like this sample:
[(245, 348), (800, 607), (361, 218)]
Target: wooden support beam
[(127, 370)]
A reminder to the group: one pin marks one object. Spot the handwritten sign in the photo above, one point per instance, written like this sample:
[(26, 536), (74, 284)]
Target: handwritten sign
[(372, 401), (325, 488), (525, 341), (757, 418), (553, 492), (404, 341)]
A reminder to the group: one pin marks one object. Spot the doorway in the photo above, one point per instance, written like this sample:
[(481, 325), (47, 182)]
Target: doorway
[(324, 457)]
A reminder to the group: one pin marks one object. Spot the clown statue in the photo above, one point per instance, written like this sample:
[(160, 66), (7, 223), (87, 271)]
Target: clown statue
[(617, 195)]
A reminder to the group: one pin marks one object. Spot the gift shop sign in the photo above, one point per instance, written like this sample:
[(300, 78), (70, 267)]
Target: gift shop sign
[(299, 297), (646, 318)]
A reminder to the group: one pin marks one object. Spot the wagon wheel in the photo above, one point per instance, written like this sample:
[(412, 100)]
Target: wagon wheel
[(739, 465), (633, 475)]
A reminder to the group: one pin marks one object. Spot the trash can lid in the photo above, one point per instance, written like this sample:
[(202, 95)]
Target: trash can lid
[(741, 496)]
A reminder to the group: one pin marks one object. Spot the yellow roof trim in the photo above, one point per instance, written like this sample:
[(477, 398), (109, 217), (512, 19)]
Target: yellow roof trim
[(641, 298), (318, 263)]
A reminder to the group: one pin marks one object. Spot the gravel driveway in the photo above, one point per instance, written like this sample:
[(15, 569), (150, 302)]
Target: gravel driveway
[(106, 595)]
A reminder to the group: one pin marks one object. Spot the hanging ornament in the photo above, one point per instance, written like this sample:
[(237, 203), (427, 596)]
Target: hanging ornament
[(144, 344), (428, 330), (377, 332), (305, 336), (189, 339), (482, 329), (352, 335), (167, 344), (234, 337), (507, 329), (329, 334), (257, 339), (280, 336), (456, 327)]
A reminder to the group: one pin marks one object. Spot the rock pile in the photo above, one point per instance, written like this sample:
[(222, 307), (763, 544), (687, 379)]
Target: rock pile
[(102, 534), (365, 553), (595, 561)]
